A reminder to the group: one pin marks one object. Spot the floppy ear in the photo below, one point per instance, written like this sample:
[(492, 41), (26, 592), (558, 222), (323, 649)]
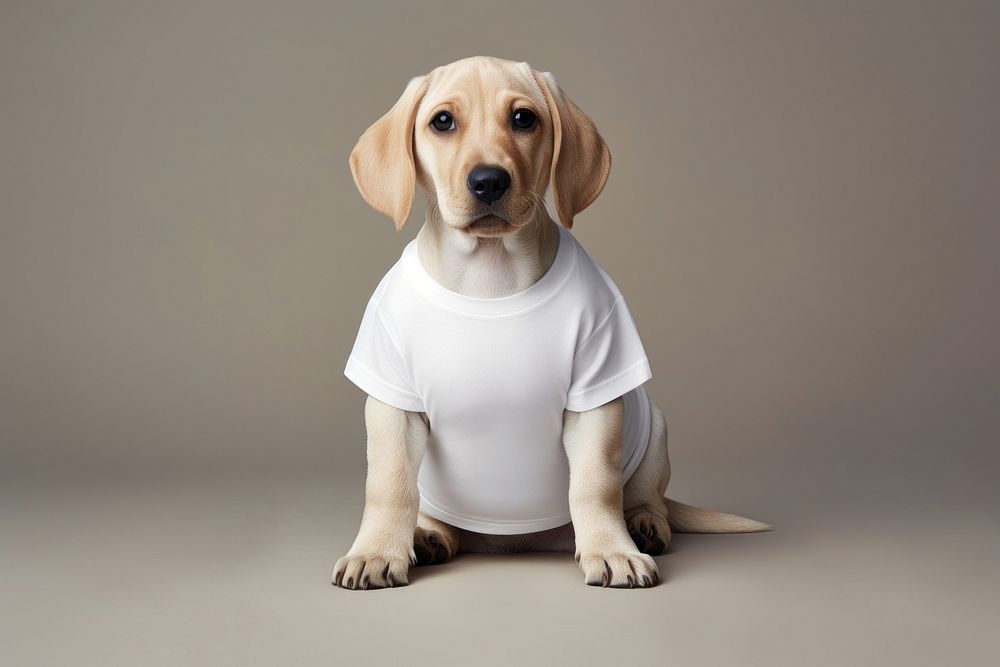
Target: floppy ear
[(581, 160), (382, 160)]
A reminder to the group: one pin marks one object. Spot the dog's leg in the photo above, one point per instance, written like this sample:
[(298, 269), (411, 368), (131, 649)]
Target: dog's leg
[(652, 518), (604, 550), (645, 506), (434, 541), (383, 550)]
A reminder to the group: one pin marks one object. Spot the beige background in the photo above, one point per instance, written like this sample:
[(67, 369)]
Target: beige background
[(803, 217)]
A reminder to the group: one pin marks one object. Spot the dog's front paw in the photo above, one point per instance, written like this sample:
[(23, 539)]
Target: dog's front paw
[(618, 569), (364, 571)]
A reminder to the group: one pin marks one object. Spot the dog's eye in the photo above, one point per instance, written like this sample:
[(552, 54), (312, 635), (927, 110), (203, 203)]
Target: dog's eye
[(443, 122), (524, 119)]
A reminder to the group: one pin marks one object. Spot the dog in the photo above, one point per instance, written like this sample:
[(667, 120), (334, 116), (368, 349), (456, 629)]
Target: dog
[(486, 138)]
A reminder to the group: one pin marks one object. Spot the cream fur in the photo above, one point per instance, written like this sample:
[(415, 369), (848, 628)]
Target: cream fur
[(505, 256)]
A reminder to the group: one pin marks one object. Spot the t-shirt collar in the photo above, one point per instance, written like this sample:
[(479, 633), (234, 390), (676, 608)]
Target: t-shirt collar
[(504, 306)]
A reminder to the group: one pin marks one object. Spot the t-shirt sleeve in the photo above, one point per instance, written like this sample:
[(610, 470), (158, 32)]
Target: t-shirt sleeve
[(609, 363), (376, 365)]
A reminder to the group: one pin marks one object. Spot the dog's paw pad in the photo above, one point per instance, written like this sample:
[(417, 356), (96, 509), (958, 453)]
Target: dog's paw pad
[(650, 532), (429, 547)]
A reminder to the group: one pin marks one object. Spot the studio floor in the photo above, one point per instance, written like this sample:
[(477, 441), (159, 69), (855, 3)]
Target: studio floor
[(231, 567)]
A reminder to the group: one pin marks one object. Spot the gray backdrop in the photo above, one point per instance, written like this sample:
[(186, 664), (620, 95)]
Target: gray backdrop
[(802, 214)]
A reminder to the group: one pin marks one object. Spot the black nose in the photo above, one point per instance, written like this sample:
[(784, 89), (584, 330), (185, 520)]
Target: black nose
[(488, 183)]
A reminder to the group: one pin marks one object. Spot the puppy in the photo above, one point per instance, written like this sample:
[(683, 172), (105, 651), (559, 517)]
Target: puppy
[(505, 407)]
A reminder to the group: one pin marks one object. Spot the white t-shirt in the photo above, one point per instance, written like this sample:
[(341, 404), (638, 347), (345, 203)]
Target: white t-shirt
[(494, 376)]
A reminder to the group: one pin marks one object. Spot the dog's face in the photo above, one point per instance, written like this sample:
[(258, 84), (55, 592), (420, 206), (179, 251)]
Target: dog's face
[(484, 137)]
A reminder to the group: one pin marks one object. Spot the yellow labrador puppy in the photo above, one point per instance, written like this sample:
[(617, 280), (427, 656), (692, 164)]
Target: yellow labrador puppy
[(485, 138)]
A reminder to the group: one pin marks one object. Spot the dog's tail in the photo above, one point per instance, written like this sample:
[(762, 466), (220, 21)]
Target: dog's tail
[(689, 519)]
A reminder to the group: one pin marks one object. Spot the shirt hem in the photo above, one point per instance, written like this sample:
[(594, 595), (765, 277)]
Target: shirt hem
[(380, 389), (490, 527), (610, 389)]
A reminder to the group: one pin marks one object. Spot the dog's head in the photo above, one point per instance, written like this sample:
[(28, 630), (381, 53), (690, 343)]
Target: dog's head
[(485, 137)]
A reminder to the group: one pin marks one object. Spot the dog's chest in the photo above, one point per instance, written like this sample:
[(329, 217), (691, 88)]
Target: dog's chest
[(476, 367), (494, 394)]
